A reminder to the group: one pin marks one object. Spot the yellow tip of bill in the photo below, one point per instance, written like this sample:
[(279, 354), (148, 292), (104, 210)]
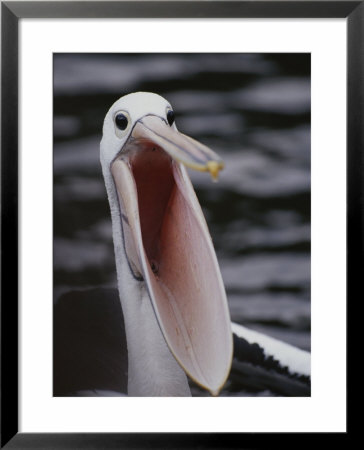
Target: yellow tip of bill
[(214, 167)]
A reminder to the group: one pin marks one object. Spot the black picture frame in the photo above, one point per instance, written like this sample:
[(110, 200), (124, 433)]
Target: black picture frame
[(11, 12)]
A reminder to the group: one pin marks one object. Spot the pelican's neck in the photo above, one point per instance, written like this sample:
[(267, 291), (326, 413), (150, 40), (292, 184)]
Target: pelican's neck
[(152, 369)]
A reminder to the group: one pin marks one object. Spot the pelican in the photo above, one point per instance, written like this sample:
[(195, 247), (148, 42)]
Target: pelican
[(174, 320), (171, 290)]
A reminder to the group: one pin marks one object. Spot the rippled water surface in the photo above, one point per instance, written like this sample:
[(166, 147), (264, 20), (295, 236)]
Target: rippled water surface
[(254, 111)]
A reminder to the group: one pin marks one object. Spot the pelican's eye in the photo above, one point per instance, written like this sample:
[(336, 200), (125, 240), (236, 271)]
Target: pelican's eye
[(121, 121), (170, 117)]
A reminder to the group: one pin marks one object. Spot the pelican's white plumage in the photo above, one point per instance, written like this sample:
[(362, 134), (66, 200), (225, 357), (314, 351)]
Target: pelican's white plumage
[(170, 286)]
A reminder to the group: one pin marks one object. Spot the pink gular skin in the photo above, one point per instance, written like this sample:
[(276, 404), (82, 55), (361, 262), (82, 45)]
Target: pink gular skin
[(168, 244)]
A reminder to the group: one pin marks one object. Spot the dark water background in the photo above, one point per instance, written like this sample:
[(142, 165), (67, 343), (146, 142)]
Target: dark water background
[(254, 111)]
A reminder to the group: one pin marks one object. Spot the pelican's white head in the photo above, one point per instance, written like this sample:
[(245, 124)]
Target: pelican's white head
[(161, 238), (123, 115)]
